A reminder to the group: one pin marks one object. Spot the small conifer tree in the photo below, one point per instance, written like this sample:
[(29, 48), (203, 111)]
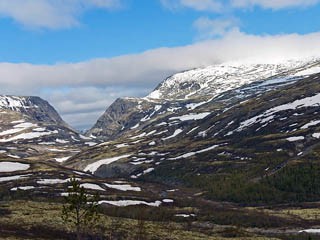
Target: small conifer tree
[(81, 209)]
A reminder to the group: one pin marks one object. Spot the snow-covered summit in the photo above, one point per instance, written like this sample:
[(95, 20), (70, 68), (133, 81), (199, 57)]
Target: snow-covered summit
[(34, 107), (215, 79), (14, 102)]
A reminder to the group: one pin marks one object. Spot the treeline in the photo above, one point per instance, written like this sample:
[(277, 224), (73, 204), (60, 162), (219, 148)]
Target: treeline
[(293, 183)]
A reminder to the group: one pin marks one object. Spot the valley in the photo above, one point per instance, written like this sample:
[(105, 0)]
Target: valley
[(229, 151)]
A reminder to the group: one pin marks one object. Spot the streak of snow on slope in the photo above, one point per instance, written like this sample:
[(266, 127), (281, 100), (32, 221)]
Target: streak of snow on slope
[(194, 116), (12, 178), (53, 181), (176, 132), (18, 128), (11, 131), (18, 121), (310, 124), (310, 231), (123, 187), (149, 170), (92, 186), (25, 188), (13, 156), (122, 145), (93, 167), (25, 125), (30, 135), (309, 71), (61, 141), (294, 139), (90, 144), (190, 154), (139, 136)]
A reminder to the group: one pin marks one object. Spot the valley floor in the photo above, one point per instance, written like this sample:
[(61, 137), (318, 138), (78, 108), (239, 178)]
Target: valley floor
[(26, 219)]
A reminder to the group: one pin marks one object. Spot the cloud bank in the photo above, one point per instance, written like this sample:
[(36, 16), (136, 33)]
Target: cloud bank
[(82, 91)]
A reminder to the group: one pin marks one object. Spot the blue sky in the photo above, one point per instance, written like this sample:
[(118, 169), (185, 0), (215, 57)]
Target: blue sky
[(63, 50), (137, 26)]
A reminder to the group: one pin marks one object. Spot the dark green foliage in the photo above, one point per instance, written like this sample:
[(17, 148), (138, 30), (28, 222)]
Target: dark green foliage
[(303, 180), (81, 209), (293, 183)]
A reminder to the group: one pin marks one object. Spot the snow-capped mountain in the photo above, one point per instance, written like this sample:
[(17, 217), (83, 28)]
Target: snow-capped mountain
[(30, 126), (35, 107), (214, 80), (189, 90), (272, 114)]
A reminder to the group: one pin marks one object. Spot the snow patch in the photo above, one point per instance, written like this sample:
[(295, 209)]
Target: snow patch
[(63, 159), (94, 166), (176, 132), (125, 203), (92, 186), (195, 116), (293, 139), (13, 166)]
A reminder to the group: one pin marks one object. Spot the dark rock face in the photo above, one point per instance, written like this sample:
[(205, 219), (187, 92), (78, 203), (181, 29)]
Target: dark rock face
[(44, 112), (116, 170), (124, 113)]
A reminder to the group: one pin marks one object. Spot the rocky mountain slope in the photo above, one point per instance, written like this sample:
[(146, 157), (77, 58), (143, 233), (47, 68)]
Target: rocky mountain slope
[(256, 121), (30, 126), (189, 90)]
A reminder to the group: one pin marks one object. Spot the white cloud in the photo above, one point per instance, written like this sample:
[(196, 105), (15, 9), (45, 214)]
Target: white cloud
[(211, 28), (199, 5), (51, 14), (273, 4), (82, 91), (221, 6)]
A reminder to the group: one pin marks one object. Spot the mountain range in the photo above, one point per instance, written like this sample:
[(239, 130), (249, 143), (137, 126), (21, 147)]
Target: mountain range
[(224, 137)]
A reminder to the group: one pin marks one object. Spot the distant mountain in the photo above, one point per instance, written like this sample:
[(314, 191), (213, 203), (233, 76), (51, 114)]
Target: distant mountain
[(34, 107), (249, 121), (30, 126)]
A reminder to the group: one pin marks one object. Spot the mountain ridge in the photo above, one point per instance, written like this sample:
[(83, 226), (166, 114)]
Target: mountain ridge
[(214, 82)]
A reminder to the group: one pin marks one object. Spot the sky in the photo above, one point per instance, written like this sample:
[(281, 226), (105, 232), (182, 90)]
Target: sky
[(81, 55)]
